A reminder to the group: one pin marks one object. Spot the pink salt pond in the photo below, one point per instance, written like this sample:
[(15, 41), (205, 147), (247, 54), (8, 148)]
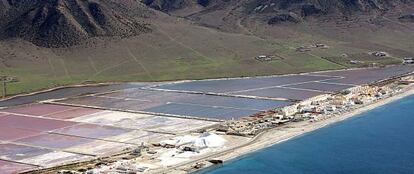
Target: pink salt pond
[(32, 123), (7, 167)]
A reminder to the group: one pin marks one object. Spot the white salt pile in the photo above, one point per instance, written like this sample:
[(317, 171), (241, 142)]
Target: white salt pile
[(209, 140), (204, 140)]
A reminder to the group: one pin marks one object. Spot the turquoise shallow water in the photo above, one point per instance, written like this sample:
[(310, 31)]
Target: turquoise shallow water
[(380, 141)]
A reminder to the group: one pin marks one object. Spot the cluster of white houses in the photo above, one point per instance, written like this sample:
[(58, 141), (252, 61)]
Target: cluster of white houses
[(314, 108)]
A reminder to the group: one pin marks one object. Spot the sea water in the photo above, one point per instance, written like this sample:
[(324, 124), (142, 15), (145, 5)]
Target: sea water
[(380, 141)]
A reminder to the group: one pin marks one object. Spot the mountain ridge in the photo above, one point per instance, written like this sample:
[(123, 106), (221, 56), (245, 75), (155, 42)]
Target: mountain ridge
[(63, 23), (98, 41), (280, 11)]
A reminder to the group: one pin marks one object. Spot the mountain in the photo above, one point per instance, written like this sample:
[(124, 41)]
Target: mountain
[(302, 7), (171, 5), (47, 43), (219, 13), (62, 23)]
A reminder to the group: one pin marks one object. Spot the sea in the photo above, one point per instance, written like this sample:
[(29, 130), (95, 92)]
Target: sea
[(379, 141)]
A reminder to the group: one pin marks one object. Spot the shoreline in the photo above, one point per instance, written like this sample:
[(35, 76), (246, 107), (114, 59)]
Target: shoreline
[(284, 133), (238, 148)]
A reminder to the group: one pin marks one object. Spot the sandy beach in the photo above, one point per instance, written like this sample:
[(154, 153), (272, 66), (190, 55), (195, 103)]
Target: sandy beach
[(286, 132)]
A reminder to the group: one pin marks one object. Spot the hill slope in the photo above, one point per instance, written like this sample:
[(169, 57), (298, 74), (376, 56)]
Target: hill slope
[(127, 40), (224, 14), (60, 23), (302, 7)]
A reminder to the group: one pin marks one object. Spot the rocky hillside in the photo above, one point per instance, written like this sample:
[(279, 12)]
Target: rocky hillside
[(310, 7), (294, 11), (171, 5), (407, 18), (158, 40), (279, 11), (62, 23), (304, 7)]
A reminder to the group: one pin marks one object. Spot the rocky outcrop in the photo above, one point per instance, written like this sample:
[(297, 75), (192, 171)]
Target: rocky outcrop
[(407, 18), (284, 17), (62, 23)]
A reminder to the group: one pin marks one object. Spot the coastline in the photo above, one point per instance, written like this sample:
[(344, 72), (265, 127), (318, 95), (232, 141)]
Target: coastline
[(280, 134), (249, 135)]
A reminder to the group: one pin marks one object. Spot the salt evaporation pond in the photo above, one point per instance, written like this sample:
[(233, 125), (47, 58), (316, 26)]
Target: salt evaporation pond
[(380, 141)]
